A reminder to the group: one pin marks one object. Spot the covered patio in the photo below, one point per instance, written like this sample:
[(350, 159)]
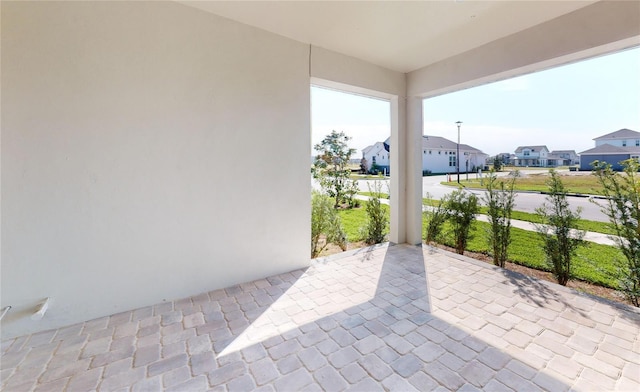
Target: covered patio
[(160, 150), (399, 318)]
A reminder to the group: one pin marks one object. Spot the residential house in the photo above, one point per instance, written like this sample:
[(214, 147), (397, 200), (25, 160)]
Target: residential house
[(612, 148), (565, 157), (439, 156), (378, 155), (621, 138), (114, 125), (531, 156)]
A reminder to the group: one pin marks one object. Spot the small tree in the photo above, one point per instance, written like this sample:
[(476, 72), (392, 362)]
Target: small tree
[(375, 229), (330, 167), (558, 229), (350, 191), (500, 200), (497, 163), (462, 208), (364, 166), (325, 220), (622, 206), (435, 217)]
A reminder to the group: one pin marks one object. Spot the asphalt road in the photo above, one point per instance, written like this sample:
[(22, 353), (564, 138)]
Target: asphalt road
[(525, 201)]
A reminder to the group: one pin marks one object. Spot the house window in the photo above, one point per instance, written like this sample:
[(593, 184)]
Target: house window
[(637, 142), (430, 151), (624, 143), (424, 152), (452, 160), (526, 153), (439, 152)]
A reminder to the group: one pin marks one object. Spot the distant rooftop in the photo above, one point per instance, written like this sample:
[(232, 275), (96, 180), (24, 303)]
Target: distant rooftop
[(623, 133)]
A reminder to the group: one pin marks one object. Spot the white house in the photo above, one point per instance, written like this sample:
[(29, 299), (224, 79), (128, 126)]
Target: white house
[(531, 156), (377, 154), (439, 156), (565, 157), (116, 116)]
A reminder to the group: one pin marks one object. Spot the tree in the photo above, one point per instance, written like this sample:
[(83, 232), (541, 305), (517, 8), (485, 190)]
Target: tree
[(497, 163), (622, 206), (558, 230), (375, 229), (325, 220), (330, 167), (364, 165), (500, 200), (462, 208)]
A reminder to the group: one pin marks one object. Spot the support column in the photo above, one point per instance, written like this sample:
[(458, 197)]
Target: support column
[(413, 158), (406, 170), (398, 186)]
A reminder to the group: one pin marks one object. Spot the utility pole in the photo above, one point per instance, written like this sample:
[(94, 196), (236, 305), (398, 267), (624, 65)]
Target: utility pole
[(458, 123)]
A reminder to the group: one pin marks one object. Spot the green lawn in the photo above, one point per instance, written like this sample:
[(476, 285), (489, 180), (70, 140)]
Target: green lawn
[(583, 224), (594, 263), (583, 183)]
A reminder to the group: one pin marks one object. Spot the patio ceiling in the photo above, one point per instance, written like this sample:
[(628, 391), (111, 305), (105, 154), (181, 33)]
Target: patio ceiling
[(399, 35)]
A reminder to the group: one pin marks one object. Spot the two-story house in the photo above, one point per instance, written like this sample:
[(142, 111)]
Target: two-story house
[(377, 154), (531, 156), (565, 157), (612, 148)]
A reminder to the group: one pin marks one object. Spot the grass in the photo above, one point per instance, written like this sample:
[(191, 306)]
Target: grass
[(583, 224), (353, 219), (581, 184), (594, 263)]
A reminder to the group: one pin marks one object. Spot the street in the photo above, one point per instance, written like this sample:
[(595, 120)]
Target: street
[(525, 201)]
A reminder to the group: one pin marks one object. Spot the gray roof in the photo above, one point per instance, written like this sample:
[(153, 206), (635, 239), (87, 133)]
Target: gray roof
[(623, 133), (556, 152), (532, 148), (610, 149), (438, 142)]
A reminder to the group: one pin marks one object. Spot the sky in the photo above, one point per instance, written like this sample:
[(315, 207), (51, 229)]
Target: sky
[(564, 108)]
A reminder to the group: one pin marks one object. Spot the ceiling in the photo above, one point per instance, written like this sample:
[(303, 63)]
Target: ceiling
[(399, 35)]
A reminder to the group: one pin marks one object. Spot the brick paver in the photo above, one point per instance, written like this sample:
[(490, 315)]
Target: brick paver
[(382, 318)]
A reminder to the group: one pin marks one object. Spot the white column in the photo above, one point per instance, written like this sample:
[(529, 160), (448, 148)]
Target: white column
[(397, 158), (413, 177), (406, 170)]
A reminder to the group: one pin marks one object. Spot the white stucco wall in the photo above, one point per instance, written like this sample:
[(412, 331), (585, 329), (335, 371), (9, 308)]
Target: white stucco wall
[(135, 138)]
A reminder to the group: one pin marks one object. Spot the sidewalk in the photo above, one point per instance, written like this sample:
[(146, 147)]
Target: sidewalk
[(590, 236)]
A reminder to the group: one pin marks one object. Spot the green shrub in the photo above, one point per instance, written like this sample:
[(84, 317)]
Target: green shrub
[(462, 208), (325, 220), (500, 200), (559, 230), (623, 209), (375, 229), (434, 217)]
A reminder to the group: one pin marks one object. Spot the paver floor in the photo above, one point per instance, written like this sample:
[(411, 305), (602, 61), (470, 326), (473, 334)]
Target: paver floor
[(388, 318)]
